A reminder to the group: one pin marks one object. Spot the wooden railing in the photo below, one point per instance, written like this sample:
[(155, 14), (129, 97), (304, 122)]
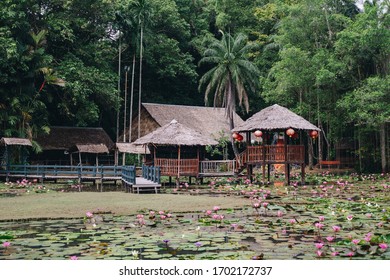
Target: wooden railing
[(170, 167), (152, 173), (273, 154), (43, 172), (217, 167), (128, 174)]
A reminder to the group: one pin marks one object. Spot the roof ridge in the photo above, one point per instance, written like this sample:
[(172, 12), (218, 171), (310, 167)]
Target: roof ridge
[(178, 105)]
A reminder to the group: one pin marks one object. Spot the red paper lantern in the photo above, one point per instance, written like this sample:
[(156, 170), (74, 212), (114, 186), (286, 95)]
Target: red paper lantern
[(290, 132), (314, 134), (240, 138), (258, 133), (235, 135)]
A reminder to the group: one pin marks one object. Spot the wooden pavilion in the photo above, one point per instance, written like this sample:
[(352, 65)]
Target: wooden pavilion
[(8, 143), (176, 149), (59, 146), (281, 132), (94, 149)]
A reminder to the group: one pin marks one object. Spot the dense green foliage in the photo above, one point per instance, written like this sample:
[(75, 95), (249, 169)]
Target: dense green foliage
[(327, 60)]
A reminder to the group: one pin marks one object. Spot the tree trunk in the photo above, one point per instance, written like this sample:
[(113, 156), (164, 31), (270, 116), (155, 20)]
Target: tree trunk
[(119, 89), (382, 133), (320, 133), (140, 88), (310, 148), (131, 99), (234, 146)]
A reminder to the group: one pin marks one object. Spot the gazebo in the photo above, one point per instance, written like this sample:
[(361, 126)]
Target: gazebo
[(129, 148), (176, 149), (95, 149), (11, 142), (279, 134)]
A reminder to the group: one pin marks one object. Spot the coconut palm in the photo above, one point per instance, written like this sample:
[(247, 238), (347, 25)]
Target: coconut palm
[(232, 76)]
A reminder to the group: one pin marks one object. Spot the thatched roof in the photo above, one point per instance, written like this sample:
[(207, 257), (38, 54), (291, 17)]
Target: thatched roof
[(15, 142), (130, 148), (64, 138), (174, 134), (90, 148), (209, 121), (275, 117)]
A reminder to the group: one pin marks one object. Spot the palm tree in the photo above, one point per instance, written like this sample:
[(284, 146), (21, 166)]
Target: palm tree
[(232, 76)]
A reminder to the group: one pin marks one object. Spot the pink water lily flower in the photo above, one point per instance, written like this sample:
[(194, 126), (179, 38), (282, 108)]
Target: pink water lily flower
[(280, 214), (319, 245), (330, 238), (321, 218), (335, 253), (319, 253), (89, 214), (6, 244), (336, 228), (73, 258), (216, 208), (293, 221), (350, 254), (319, 225), (383, 246), (349, 217), (355, 241)]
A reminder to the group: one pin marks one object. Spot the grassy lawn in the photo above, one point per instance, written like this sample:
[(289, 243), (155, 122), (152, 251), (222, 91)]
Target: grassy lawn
[(76, 204)]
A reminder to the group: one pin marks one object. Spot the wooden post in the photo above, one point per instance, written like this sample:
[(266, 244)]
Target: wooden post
[(178, 168), (286, 167), (198, 157), (302, 174), (7, 163), (80, 158), (269, 171), (97, 160), (116, 154), (71, 159), (263, 166)]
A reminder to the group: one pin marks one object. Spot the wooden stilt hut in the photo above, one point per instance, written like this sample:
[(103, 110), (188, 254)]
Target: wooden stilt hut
[(130, 148), (95, 149), (176, 149), (8, 143), (277, 135)]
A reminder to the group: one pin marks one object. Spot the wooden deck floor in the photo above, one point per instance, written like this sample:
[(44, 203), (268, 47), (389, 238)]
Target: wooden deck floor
[(142, 184)]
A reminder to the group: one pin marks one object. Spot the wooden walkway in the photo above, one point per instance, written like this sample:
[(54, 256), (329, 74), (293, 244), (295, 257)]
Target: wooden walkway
[(150, 180), (143, 185)]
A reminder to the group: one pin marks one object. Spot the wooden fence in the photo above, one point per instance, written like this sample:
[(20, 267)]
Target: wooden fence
[(152, 173), (80, 173)]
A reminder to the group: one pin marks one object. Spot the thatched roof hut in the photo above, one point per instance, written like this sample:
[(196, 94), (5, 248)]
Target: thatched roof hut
[(15, 142), (176, 134), (130, 148), (64, 138), (209, 121), (90, 148), (176, 137), (275, 117)]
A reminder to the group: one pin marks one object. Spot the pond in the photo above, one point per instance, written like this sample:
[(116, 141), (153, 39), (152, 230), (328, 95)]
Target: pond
[(332, 220)]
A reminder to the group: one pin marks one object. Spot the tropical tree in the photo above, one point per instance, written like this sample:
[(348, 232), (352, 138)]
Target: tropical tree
[(232, 76)]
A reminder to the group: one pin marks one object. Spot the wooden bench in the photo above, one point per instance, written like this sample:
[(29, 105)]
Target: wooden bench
[(329, 163)]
